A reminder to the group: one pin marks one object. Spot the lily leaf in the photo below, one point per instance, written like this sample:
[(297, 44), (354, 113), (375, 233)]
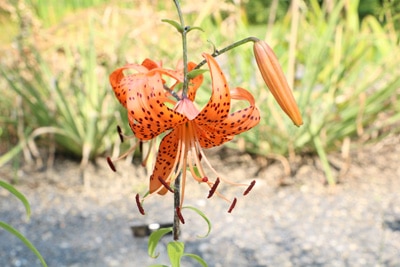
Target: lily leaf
[(194, 73), (27, 243), (197, 258), (155, 238), (199, 212), (195, 28), (18, 194), (175, 251), (174, 23)]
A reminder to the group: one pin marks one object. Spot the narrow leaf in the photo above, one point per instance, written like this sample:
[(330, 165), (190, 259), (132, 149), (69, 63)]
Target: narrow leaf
[(155, 238), (19, 195), (27, 243), (175, 251), (197, 258), (195, 28), (194, 73), (199, 212), (174, 23)]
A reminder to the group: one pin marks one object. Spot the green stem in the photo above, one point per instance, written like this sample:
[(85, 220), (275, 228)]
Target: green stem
[(229, 47), (184, 31), (177, 184)]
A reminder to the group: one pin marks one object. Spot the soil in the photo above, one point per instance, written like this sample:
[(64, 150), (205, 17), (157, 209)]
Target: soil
[(286, 220)]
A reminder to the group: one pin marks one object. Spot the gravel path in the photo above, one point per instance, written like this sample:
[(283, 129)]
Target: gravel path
[(357, 223)]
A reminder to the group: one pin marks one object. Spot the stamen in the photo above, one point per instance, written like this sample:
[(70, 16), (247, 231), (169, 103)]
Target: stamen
[(204, 179), (179, 214), (232, 205), (165, 184), (249, 188), (121, 136), (111, 164), (139, 205), (213, 188)]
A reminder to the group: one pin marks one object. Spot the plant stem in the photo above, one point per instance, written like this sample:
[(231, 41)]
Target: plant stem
[(177, 200), (177, 184), (229, 47), (184, 31)]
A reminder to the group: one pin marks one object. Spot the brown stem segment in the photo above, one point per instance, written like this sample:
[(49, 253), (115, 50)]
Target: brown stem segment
[(177, 205)]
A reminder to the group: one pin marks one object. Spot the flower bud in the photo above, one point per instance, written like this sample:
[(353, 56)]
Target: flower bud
[(273, 76)]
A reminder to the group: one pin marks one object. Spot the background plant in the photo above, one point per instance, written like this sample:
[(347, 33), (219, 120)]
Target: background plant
[(341, 80)]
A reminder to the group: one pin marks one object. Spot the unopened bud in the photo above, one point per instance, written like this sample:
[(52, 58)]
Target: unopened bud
[(273, 76)]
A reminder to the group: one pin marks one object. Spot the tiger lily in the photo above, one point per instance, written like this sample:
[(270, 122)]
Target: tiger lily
[(154, 108)]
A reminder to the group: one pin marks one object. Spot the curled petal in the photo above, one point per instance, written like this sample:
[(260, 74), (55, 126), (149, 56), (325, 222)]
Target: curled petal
[(217, 108), (147, 113), (120, 84), (211, 135)]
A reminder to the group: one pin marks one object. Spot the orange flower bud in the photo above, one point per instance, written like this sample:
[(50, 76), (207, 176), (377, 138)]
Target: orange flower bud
[(273, 76)]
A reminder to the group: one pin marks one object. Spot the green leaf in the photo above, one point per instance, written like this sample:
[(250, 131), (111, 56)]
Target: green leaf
[(194, 73), (175, 251), (155, 238), (19, 195), (27, 243), (197, 258), (174, 23), (195, 28), (199, 212)]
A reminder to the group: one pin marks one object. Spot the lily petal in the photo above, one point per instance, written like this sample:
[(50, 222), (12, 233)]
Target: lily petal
[(147, 113), (167, 154), (240, 121), (217, 108)]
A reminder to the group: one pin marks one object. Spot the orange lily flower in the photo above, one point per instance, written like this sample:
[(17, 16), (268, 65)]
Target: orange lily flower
[(152, 111)]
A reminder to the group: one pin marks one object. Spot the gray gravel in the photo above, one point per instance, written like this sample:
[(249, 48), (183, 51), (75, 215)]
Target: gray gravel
[(305, 223)]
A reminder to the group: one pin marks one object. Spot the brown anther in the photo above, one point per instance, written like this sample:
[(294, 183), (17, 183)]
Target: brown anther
[(121, 136), (111, 164), (232, 205), (139, 205), (165, 184), (204, 179), (213, 188), (179, 214), (249, 188)]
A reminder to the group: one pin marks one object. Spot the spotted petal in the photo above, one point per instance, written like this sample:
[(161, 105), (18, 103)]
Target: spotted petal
[(211, 135), (217, 108), (166, 156), (147, 113)]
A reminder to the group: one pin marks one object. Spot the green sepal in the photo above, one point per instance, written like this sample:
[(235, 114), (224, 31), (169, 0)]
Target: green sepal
[(154, 239), (174, 23)]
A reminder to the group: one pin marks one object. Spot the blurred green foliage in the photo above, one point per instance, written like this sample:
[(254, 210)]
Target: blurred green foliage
[(337, 59)]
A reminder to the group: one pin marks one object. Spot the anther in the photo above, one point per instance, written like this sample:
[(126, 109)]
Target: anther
[(179, 214), (213, 188), (232, 205), (204, 179), (249, 188), (111, 164), (139, 205), (165, 184), (121, 136)]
